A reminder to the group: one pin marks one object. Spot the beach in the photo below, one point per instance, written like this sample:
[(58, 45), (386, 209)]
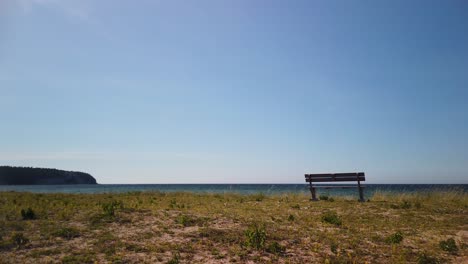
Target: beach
[(188, 227)]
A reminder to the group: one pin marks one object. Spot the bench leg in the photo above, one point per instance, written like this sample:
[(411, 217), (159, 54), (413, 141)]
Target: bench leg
[(361, 193), (314, 196)]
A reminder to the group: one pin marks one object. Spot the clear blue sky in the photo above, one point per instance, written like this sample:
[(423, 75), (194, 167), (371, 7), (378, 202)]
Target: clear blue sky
[(236, 91)]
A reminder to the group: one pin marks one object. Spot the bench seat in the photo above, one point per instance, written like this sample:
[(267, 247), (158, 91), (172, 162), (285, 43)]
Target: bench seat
[(335, 186)]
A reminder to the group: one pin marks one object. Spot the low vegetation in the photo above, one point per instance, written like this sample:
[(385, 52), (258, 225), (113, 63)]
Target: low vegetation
[(154, 227), (395, 238), (28, 214), (331, 217), (19, 240), (67, 233), (449, 245), (256, 236), (109, 208)]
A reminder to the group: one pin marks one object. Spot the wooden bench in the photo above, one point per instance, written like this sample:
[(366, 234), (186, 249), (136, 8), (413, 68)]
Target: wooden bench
[(336, 177)]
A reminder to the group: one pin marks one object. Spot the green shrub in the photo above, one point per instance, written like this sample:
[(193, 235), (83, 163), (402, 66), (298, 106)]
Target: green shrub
[(334, 248), (275, 248), (323, 197), (67, 233), (331, 199), (402, 205), (259, 197), (291, 217), (78, 259), (173, 203), (448, 245), (175, 258), (185, 220), (28, 214), (426, 259), (405, 205), (331, 217), (19, 239), (395, 238), (256, 236), (110, 208)]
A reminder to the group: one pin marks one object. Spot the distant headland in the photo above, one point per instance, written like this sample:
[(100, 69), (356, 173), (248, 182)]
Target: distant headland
[(42, 176)]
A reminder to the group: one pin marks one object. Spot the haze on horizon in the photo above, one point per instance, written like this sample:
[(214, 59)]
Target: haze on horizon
[(236, 91)]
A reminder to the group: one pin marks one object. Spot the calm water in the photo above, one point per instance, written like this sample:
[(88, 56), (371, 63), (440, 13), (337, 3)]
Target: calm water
[(230, 188)]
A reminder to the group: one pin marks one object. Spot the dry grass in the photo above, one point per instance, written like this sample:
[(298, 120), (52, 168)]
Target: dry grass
[(217, 228)]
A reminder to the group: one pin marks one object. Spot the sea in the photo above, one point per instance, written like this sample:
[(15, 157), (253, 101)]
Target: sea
[(267, 189)]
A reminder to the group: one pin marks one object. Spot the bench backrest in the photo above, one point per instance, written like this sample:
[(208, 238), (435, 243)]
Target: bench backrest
[(329, 177)]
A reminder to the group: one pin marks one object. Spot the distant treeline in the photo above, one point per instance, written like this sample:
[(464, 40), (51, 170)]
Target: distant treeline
[(42, 176)]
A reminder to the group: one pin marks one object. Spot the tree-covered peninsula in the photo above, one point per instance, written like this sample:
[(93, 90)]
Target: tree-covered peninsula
[(41, 176)]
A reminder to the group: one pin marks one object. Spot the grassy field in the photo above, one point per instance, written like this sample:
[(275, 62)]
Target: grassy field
[(213, 228)]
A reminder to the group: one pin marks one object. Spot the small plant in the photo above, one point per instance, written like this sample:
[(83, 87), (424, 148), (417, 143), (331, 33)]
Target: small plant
[(395, 238), (275, 248), (19, 240), (175, 258), (405, 205), (331, 217), (67, 233), (110, 208), (259, 197), (291, 218), (185, 220), (334, 248), (426, 259), (173, 203), (216, 254), (256, 236), (323, 197), (78, 258), (448, 245), (296, 206), (28, 214), (331, 199), (402, 205)]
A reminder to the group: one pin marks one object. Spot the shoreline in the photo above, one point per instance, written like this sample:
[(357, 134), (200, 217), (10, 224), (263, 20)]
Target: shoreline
[(267, 189)]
